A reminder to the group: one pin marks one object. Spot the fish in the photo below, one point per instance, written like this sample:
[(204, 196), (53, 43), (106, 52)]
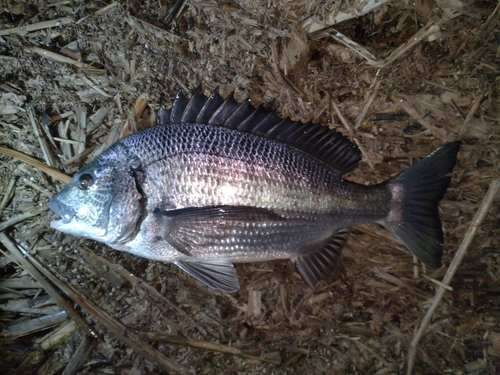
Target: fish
[(218, 182)]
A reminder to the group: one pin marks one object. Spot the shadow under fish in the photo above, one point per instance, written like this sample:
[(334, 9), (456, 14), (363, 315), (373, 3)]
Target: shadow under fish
[(219, 182)]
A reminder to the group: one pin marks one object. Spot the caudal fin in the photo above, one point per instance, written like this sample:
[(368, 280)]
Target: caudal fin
[(416, 192)]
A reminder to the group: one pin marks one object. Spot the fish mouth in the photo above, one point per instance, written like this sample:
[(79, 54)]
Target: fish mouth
[(70, 223), (65, 212)]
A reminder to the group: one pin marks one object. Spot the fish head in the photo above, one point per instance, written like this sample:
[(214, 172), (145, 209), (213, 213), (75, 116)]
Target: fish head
[(102, 201)]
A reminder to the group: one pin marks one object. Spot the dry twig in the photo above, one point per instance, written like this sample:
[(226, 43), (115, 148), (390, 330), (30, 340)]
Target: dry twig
[(470, 115), (37, 275), (37, 26), (368, 102), (348, 126), (64, 178), (17, 219), (457, 259), (8, 191), (107, 8), (214, 346), (405, 104), (117, 328), (79, 356), (138, 283)]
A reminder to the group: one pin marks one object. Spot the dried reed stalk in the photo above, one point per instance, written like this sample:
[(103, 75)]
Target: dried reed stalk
[(37, 26), (121, 332), (38, 276), (64, 178), (139, 283), (213, 346), (452, 269)]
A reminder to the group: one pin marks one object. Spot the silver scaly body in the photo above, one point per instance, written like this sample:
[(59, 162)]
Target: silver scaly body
[(242, 186), (193, 165)]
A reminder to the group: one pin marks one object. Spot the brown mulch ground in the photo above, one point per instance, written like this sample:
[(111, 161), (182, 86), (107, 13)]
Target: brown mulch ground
[(75, 76)]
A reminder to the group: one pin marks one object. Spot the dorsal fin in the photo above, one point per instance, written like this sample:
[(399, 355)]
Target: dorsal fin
[(322, 143)]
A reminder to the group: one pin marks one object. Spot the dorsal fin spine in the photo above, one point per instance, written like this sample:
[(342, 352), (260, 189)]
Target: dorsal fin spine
[(324, 144), (215, 101), (178, 106), (226, 104), (194, 106)]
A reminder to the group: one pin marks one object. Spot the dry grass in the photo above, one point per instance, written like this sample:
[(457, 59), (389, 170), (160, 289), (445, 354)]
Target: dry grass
[(76, 76)]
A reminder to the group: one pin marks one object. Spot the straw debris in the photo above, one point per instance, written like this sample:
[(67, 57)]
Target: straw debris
[(400, 78)]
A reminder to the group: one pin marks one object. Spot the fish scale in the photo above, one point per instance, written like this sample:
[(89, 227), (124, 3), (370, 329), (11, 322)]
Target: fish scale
[(295, 174), (245, 185)]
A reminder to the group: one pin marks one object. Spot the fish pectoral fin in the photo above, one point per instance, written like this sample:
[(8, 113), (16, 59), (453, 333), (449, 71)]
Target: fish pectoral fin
[(216, 274), (317, 261), (193, 229), (201, 214)]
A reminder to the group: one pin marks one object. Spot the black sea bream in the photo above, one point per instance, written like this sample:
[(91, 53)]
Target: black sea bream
[(218, 183)]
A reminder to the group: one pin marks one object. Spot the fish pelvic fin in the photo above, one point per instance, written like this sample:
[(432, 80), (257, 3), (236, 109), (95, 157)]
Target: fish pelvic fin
[(316, 262), (416, 192), (216, 274)]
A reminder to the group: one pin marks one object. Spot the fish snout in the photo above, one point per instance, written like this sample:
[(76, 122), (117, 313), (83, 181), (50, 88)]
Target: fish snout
[(65, 212)]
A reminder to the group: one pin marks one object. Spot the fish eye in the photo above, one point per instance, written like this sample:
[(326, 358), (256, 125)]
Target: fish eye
[(85, 181)]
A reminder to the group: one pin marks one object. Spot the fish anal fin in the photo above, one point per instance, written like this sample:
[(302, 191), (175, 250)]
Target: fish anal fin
[(317, 261), (216, 274)]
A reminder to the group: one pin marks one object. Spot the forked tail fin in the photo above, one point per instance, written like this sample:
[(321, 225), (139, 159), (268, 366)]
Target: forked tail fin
[(416, 192)]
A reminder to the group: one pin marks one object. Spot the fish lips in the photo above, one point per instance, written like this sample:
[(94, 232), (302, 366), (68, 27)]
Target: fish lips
[(65, 212), (71, 224)]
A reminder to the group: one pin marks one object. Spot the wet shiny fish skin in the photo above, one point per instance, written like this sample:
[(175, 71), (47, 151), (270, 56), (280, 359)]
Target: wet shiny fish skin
[(176, 175), (204, 195)]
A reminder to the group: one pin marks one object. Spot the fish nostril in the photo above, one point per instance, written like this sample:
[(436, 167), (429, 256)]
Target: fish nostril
[(65, 212)]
